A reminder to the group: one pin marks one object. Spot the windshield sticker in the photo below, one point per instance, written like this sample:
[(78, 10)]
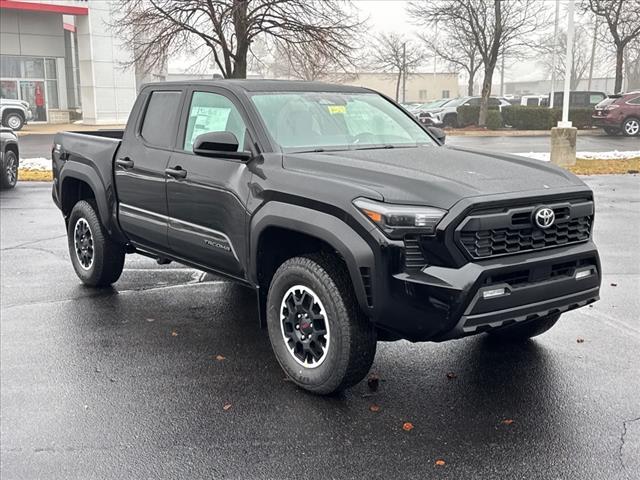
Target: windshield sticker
[(336, 109)]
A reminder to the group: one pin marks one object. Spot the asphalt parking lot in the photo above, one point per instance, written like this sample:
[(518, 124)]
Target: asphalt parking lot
[(166, 375)]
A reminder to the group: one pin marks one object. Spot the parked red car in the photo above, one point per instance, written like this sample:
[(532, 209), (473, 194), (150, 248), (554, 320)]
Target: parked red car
[(619, 113)]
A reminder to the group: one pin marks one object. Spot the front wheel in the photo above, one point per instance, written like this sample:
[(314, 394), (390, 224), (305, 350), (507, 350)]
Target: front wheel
[(319, 335), (9, 173), (523, 331), (97, 259), (14, 121)]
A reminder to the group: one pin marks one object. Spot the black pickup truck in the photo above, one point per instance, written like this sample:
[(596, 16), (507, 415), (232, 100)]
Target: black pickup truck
[(351, 221)]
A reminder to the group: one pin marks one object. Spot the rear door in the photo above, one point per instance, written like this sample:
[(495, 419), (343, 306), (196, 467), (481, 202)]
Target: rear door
[(206, 204), (140, 168)]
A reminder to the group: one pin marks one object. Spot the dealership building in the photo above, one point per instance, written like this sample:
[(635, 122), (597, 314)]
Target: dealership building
[(61, 58)]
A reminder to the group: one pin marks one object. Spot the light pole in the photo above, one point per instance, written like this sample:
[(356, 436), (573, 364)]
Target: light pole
[(553, 55), (567, 68), (564, 136)]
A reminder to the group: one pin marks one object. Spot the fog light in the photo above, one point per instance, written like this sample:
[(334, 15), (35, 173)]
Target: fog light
[(496, 292), (584, 273)]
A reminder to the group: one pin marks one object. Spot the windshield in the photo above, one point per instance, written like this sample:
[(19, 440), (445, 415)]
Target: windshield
[(319, 121)]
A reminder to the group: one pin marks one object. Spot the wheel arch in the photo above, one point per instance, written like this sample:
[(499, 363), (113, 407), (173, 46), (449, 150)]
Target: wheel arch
[(83, 183), (289, 227)]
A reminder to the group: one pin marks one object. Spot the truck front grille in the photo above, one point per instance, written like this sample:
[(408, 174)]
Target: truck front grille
[(512, 230)]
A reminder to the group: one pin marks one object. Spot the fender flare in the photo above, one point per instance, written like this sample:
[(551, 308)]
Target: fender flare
[(352, 247), (84, 173)]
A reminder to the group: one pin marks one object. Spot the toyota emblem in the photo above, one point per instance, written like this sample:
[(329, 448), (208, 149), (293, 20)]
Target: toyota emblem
[(544, 217)]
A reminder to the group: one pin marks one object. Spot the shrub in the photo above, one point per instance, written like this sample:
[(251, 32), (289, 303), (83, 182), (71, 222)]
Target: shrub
[(528, 118), (468, 115), (494, 120), (543, 118)]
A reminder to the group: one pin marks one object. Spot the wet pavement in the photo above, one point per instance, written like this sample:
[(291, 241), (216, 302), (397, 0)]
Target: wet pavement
[(132, 382)]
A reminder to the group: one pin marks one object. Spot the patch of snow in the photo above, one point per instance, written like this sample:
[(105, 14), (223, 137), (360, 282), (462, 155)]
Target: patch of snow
[(35, 164), (614, 155)]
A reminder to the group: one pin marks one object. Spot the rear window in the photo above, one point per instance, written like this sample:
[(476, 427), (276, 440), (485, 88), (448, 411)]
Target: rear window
[(634, 101), (160, 118), (607, 101)]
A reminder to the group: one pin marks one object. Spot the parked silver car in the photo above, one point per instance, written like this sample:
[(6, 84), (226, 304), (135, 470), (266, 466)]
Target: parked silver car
[(14, 113), (447, 114)]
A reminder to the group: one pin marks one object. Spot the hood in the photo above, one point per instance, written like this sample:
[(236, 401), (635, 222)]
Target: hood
[(435, 176)]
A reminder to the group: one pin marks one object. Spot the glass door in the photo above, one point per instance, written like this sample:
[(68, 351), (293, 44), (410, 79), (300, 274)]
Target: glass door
[(33, 92)]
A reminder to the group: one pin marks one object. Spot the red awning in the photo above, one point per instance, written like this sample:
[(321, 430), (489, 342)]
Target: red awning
[(43, 7)]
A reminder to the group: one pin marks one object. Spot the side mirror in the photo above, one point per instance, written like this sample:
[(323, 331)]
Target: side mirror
[(219, 145), (438, 133)]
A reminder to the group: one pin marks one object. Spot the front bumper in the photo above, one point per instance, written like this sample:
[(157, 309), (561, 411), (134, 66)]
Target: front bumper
[(439, 303)]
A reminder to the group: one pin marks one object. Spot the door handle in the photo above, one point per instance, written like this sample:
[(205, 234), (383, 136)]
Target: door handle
[(125, 162), (177, 172)]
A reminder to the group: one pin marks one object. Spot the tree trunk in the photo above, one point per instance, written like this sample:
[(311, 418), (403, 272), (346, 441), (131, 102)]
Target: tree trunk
[(398, 85), (619, 65), (472, 71), (486, 93), (242, 46)]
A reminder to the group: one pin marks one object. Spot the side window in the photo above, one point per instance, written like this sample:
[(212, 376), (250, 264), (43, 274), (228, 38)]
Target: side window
[(473, 102), (595, 98), (634, 101), (211, 112), (160, 118), (494, 102)]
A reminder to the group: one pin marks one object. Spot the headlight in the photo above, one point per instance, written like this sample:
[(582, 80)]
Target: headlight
[(397, 220)]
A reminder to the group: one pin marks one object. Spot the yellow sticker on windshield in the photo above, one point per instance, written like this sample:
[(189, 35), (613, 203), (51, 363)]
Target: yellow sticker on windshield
[(334, 109)]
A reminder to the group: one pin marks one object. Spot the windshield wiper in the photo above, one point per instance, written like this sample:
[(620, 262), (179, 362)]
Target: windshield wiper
[(384, 146)]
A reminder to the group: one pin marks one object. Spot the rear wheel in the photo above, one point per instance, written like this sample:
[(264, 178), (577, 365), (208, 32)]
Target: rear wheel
[(97, 259), (9, 173), (321, 339), (631, 127), (611, 130), (523, 331)]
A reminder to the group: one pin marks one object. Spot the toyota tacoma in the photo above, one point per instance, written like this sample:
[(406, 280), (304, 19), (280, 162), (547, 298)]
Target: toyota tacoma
[(352, 222)]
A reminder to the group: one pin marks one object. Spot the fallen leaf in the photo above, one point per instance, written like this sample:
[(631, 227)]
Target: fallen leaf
[(507, 421), (451, 375), (440, 462), (374, 407), (226, 407), (174, 333), (614, 284), (219, 357), (407, 426), (374, 382), (580, 340)]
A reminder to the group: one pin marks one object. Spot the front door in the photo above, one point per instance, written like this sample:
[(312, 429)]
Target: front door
[(206, 202), (140, 170)]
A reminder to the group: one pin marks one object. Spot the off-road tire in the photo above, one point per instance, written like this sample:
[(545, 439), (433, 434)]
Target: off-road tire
[(352, 344), (523, 331), (108, 256), (9, 172)]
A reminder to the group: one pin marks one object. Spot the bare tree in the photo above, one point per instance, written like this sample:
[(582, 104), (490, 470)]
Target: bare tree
[(632, 64), (225, 29), (581, 55), (622, 18), (396, 55), (456, 47), (496, 26), (305, 61)]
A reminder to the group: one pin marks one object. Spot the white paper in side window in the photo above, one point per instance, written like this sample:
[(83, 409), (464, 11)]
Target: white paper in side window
[(209, 119)]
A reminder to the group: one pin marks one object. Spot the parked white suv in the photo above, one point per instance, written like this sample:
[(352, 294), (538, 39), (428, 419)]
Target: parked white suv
[(14, 113), (447, 114)]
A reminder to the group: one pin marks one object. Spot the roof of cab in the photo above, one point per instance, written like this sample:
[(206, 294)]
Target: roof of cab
[(260, 85)]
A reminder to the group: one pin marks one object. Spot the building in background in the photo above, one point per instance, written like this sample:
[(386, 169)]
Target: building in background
[(61, 58), (419, 87)]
